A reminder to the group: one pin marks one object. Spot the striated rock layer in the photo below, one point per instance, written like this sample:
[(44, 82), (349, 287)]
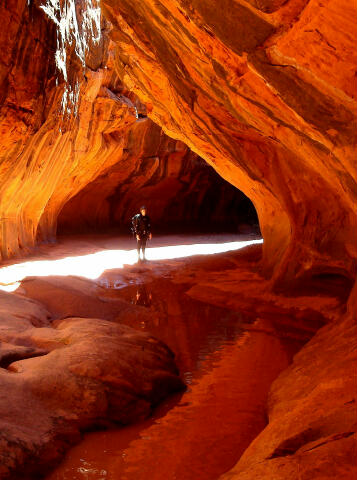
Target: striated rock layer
[(180, 190), (264, 91), (46, 157)]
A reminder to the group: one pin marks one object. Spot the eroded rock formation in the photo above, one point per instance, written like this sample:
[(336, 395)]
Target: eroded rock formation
[(181, 191), (264, 91), (312, 414), (195, 305), (84, 372), (47, 157)]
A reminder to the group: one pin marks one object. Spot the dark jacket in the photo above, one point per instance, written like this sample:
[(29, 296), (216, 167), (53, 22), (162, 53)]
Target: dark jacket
[(141, 225)]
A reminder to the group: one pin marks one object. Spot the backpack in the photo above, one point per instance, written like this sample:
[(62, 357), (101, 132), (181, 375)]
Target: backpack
[(134, 224)]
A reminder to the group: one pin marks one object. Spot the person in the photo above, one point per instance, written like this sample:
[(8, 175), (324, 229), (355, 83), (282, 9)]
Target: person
[(142, 230)]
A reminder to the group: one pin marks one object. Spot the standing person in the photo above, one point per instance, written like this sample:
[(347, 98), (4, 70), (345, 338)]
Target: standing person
[(142, 230)]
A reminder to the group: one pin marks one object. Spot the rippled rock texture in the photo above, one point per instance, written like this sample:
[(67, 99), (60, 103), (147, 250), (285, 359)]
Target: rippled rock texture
[(264, 91), (49, 157)]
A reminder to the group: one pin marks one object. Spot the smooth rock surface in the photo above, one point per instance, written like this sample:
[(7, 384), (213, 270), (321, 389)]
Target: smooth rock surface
[(264, 92), (84, 169), (46, 155), (310, 408), (84, 372), (312, 414)]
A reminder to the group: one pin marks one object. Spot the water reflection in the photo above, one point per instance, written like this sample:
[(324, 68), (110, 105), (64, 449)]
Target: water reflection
[(192, 329), (200, 434), (204, 432), (88, 472), (142, 296)]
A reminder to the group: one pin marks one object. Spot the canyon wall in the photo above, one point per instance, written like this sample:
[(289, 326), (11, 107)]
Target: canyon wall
[(48, 155), (264, 91), (181, 191), (312, 412)]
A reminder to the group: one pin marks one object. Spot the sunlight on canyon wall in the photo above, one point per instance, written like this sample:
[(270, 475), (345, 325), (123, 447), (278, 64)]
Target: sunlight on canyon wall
[(77, 25)]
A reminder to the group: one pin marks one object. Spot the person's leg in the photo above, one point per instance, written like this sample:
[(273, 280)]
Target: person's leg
[(138, 245), (143, 246)]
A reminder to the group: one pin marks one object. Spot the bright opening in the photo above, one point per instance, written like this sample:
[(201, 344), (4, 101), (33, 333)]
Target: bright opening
[(93, 265)]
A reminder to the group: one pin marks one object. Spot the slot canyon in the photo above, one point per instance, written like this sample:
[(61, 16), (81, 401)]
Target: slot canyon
[(229, 352)]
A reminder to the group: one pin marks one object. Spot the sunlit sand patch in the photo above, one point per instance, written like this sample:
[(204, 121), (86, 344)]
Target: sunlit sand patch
[(93, 265)]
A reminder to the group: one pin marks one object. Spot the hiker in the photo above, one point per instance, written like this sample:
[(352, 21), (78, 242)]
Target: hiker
[(142, 230)]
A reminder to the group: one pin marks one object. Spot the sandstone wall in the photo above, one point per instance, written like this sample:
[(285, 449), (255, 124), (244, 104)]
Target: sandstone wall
[(312, 412), (265, 92), (47, 157), (180, 190), (262, 90)]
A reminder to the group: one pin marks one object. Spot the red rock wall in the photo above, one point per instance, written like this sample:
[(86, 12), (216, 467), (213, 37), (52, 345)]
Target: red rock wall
[(46, 158), (180, 190), (264, 91), (312, 414)]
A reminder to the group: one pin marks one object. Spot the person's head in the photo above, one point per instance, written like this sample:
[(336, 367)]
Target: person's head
[(143, 210)]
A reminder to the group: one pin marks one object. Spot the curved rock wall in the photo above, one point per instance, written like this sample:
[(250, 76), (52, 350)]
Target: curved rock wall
[(180, 190), (264, 91), (46, 157), (312, 414)]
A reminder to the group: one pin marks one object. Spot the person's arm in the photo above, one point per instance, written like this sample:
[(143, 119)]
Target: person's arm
[(149, 228), (135, 227)]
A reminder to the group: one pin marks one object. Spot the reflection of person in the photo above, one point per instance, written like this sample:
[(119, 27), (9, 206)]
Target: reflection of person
[(143, 297), (142, 230)]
